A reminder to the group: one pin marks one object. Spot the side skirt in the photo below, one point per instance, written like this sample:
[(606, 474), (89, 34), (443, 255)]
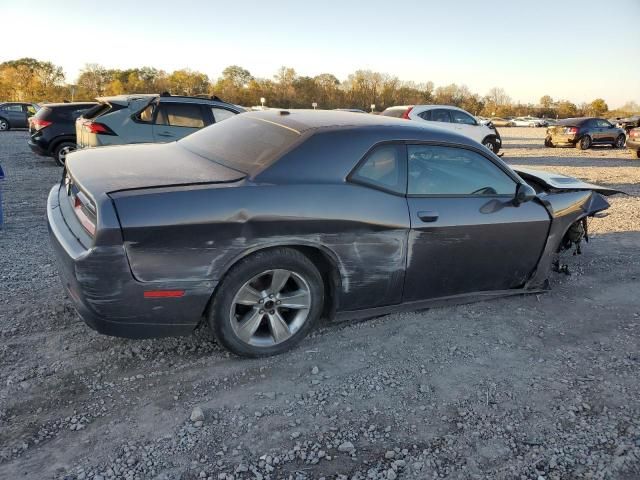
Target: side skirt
[(459, 299)]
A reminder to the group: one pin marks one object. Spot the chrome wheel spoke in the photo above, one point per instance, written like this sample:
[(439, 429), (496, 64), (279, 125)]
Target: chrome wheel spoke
[(297, 300), (248, 296), (278, 280), (279, 328), (249, 324)]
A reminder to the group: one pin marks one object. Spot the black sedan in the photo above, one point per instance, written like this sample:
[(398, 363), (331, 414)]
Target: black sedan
[(584, 133), (262, 224)]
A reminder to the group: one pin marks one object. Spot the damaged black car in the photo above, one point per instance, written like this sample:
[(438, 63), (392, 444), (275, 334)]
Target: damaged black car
[(267, 222)]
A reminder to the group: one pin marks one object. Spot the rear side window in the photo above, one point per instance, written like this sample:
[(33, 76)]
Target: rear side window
[(220, 114), (383, 168), (146, 115), (180, 115), (12, 108), (461, 117), (425, 115), (435, 170), (440, 115)]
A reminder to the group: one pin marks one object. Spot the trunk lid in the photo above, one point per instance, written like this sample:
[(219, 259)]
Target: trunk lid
[(557, 181), (130, 167)]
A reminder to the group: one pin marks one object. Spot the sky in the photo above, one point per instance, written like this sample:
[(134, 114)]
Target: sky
[(575, 51)]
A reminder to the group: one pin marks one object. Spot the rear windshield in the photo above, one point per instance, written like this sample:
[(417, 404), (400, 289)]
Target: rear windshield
[(42, 113), (243, 143), (393, 112), (96, 111)]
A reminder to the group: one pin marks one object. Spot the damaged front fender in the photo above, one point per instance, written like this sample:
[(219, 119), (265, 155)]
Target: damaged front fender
[(568, 211)]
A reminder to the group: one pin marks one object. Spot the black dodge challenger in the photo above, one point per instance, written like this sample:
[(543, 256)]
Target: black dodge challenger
[(264, 223)]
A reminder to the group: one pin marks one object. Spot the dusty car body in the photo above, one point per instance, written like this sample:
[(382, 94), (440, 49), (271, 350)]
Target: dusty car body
[(583, 133), (154, 239)]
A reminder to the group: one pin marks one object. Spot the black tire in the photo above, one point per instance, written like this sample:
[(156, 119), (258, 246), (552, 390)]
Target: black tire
[(619, 143), (584, 143), (220, 314), (62, 150), (491, 144), (4, 125), (638, 153), (548, 143)]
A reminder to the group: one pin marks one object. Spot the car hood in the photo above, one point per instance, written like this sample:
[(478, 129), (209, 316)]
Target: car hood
[(128, 167), (557, 181)]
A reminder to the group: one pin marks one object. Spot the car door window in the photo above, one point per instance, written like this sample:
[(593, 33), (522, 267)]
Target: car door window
[(436, 170), (384, 167), (146, 115), (180, 115), (461, 117), (13, 108), (440, 115), (603, 124), (220, 114)]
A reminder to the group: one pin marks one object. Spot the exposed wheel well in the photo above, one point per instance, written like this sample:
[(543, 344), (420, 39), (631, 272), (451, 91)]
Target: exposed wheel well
[(326, 266)]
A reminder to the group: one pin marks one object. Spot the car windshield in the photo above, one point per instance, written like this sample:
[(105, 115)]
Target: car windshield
[(243, 143)]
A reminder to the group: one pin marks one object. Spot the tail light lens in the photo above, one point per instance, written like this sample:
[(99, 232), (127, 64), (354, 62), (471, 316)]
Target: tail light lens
[(634, 133), (405, 115), (38, 124), (96, 127), (571, 130), (83, 207)]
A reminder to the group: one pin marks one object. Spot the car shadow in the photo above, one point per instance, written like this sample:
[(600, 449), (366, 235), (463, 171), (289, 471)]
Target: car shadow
[(578, 161)]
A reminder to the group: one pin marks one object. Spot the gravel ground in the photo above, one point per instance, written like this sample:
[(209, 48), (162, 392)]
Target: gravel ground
[(531, 387)]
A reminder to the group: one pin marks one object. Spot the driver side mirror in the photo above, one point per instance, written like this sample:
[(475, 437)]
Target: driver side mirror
[(524, 193)]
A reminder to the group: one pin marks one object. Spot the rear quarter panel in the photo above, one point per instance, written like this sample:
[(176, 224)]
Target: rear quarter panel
[(198, 233)]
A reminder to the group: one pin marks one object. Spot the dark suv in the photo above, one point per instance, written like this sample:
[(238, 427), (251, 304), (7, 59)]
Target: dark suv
[(16, 114), (52, 131)]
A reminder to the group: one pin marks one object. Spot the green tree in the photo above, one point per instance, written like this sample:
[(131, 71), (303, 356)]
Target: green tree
[(598, 107)]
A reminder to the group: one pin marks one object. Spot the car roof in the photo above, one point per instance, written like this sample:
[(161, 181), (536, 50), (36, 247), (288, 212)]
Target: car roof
[(575, 121), (432, 107), (67, 104)]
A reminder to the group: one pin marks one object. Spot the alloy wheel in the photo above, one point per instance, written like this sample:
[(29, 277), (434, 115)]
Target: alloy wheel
[(490, 146), (270, 308), (620, 141), (4, 125), (63, 152)]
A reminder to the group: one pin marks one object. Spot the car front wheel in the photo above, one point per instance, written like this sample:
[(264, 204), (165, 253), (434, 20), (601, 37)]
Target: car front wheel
[(619, 143), (4, 125), (548, 142), (267, 303), (584, 143), (490, 144)]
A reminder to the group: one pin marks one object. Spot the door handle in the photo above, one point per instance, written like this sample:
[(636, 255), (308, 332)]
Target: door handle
[(165, 134), (428, 216)]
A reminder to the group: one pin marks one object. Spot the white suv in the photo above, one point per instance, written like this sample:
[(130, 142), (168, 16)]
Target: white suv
[(452, 118)]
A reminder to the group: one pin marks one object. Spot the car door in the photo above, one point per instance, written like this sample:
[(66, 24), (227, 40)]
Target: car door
[(466, 233), (175, 120), (466, 125), (16, 115), (607, 131)]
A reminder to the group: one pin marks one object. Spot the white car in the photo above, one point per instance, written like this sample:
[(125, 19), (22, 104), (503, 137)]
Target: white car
[(529, 122), (452, 118)]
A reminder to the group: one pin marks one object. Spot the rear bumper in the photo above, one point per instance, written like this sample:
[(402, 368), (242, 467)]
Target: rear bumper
[(105, 294), (631, 145), (37, 148), (563, 140)]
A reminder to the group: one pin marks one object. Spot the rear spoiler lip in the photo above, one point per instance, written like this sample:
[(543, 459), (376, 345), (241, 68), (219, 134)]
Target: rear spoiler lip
[(547, 179)]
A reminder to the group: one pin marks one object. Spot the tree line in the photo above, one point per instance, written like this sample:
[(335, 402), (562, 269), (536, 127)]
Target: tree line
[(28, 79)]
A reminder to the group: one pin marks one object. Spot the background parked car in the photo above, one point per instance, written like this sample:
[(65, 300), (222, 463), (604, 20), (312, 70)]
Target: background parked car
[(528, 122), (584, 132), (16, 114), (628, 123), (451, 118), (502, 122), (52, 131), (633, 142), (149, 118)]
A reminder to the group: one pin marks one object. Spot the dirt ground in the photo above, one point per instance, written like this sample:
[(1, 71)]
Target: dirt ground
[(532, 387)]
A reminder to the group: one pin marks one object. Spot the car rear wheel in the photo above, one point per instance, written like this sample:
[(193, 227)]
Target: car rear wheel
[(548, 142), (61, 151), (584, 143), (619, 143), (267, 303), (638, 153), (4, 125)]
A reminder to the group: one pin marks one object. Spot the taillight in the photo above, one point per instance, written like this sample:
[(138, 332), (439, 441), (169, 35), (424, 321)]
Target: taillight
[(83, 207), (99, 128), (634, 133), (405, 115), (571, 130), (38, 124)]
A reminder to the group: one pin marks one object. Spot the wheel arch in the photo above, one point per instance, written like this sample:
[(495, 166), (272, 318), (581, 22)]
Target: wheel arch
[(55, 143), (6, 120), (325, 260)]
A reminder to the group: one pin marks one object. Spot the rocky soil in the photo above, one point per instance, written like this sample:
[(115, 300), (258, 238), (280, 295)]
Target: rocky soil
[(532, 387)]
